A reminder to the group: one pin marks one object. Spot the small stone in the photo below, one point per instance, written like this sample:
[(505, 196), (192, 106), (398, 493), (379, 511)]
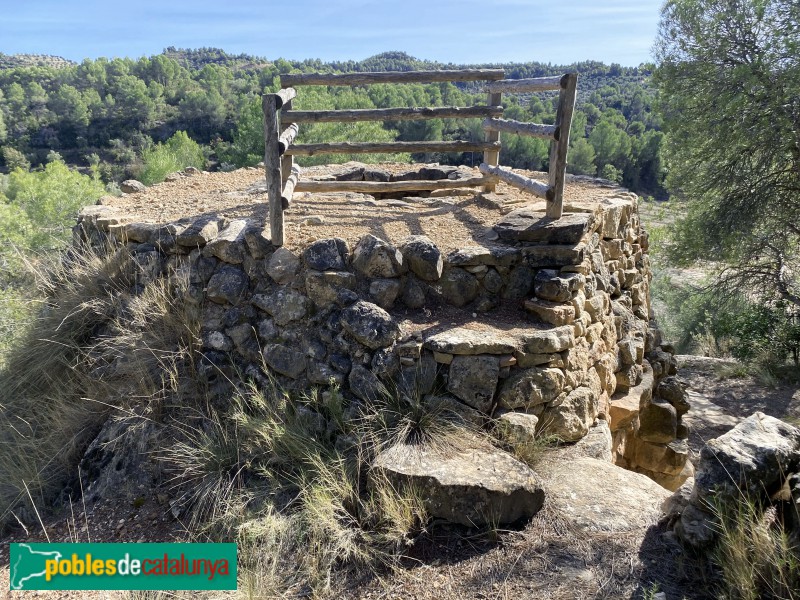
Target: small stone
[(517, 428), (370, 325), (528, 387), (285, 360), (374, 257), (131, 186), (413, 294), (460, 340), (423, 257), (658, 422), (551, 312), (228, 284), (520, 280), (385, 291), (228, 246), (365, 384), (473, 379), (331, 288), (199, 233), (571, 419), (556, 287), (285, 305), (283, 265), (386, 364), (492, 282), (327, 255), (458, 287), (216, 340), (321, 374), (443, 358)]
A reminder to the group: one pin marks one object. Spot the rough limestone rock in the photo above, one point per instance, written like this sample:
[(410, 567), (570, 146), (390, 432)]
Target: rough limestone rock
[(227, 284), (374, 257), (597, 442), (385, 291), (673, 390), (370, 325), (285, 305), (526, 225), (470, 487), (283, 265), (473, 379), (284, 360), (131, 186), (365, 384), (331, 288), (229, 245), (423, 257), (556, 287), (570, 420), (546, 341), (458, 287), (755, 456), (413, 294), (597, 496), (516, 427), (327, 255), (528, 387), (199, 233)]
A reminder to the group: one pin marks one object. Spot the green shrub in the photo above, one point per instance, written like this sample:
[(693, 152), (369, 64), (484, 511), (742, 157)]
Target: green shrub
[(177, 153)]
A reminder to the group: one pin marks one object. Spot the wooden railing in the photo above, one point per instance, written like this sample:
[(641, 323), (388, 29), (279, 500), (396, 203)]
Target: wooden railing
[(283, 176)]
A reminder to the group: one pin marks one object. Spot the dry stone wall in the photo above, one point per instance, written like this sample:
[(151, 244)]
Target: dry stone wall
[(546, 327)]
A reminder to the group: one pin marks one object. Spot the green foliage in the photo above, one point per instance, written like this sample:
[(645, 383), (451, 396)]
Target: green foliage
[(177, 153), (42, 205), (15, 159), (729, 74)]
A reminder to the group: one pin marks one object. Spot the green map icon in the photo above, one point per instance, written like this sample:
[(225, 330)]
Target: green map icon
[(28, 564)]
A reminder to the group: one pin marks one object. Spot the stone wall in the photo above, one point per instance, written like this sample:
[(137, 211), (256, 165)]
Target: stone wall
[(547, 326)]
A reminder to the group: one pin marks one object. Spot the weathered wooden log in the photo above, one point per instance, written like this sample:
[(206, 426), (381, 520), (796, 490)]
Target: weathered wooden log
[(287, 137), (390, 114), (370, 187), (559, 148), (392, 77), (548, 132), (374, 147), (272, 167), (284, 96), (536, 84), (492, 157), (520, 182), (288, 188)]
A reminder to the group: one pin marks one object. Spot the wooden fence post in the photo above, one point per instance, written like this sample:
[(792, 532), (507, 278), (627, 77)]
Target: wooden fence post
[(558, 148), (492, 157), (272, 166)]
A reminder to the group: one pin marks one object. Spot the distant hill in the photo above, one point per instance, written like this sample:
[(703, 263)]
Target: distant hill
[(197, 58), (11, 61)]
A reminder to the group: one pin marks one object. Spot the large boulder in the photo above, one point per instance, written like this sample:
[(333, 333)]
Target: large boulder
[(473, 379), (473, 487), (423, 257), (374, 257)]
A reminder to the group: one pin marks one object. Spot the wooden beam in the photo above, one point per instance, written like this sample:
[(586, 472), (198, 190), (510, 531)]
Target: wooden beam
[(492, 157), (375, 147), (287, 137), (548, 132), (390, 114), (272, 167), (370, 187), (288, 188), (392, 77), (284, 96), (558, 149), (536, 84), (521, 182)]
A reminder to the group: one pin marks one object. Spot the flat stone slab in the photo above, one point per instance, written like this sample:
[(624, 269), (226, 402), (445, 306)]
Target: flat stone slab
[(624, 406), (527, 225), (471, 487), (463, 341), (596, 495)]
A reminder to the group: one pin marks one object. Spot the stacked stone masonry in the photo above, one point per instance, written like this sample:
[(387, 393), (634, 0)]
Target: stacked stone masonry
[(552, 333)]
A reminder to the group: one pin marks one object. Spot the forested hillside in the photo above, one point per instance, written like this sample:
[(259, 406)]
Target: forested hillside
[(107, 114)]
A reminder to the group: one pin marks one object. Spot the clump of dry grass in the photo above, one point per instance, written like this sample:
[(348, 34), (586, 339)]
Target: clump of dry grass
[(755, 556), (91, 347)]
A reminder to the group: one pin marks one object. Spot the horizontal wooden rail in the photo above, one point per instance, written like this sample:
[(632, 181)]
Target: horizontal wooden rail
[(390, 114), (548, 132), (284, 96), (372, 147), (392, 77), (287, 137), (518, 181), (289, 187), (374, 187), (537, 84)]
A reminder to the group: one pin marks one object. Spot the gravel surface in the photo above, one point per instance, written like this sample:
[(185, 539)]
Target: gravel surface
[(452, 221)]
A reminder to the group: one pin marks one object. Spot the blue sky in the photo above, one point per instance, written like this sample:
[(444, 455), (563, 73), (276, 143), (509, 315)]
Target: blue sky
[(461, 31)]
